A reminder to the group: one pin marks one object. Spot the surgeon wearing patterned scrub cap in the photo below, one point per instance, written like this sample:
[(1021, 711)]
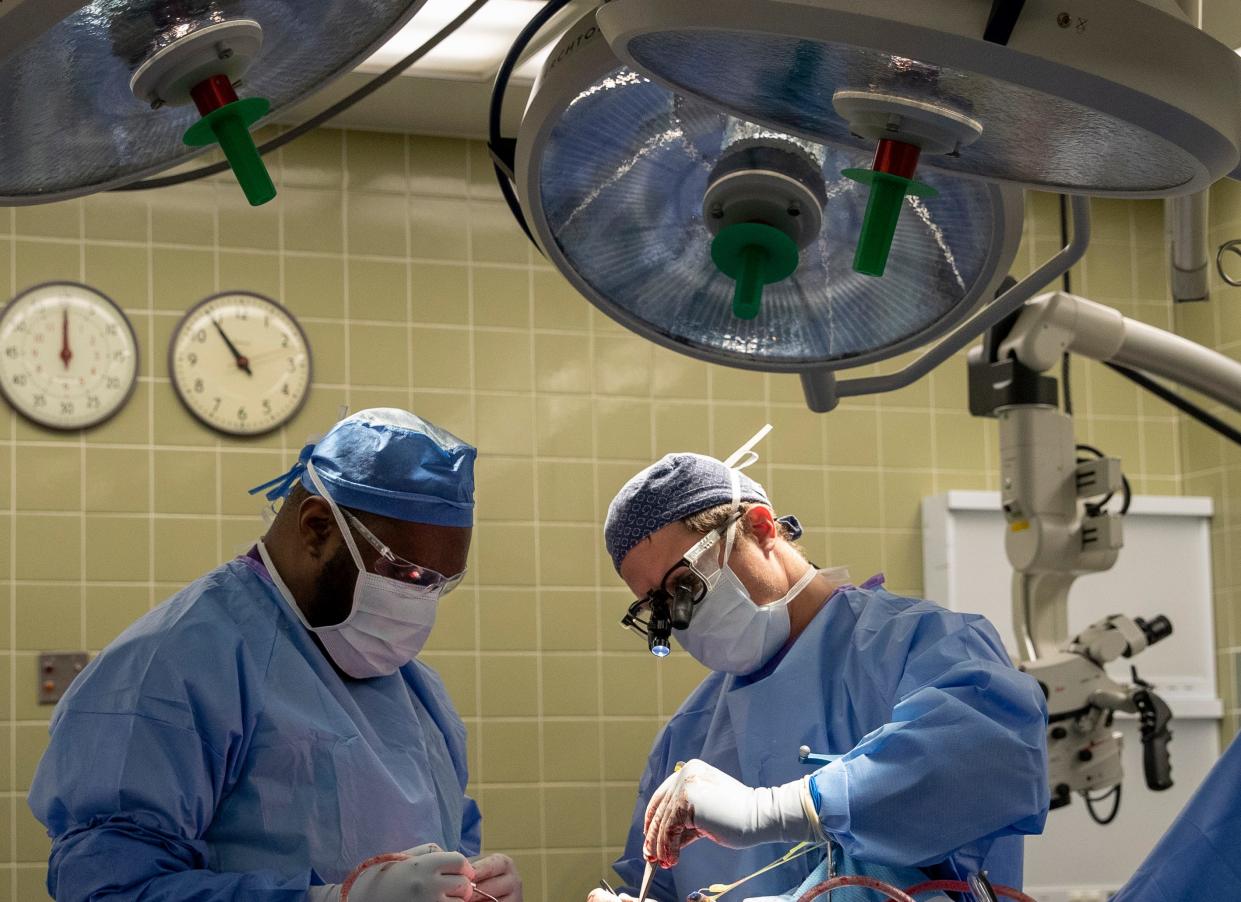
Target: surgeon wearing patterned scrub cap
[(934, 742), (269, 729)]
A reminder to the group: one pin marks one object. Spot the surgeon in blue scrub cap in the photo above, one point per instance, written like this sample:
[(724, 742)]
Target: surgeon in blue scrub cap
[(269, 729), (934, 741)]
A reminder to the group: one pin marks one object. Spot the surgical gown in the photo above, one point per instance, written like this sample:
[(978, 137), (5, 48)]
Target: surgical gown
[(1198, 857), (212, 753), (942, 744)]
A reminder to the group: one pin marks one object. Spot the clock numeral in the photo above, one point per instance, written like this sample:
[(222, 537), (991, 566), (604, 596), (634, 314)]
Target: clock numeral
[(38, 339), (66, 407), (284, 340), (284, 388), (201, 336), (241, 414), (20, 379), (119, 355), (243, 314), (266, 406), (215, 406), (11, 352), (198, 386), (192, 358), (92, 402), (112, 382), (292, 365), (40, 400), (112, 330)]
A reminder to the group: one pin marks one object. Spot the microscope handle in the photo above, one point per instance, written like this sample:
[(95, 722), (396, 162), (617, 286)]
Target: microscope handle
[(1156, 735)]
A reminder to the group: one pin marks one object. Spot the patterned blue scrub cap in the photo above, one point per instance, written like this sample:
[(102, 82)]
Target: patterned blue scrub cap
[(675, 487)]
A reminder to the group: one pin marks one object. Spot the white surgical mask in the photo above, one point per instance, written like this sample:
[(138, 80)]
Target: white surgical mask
[(729, 632), (389, 622)]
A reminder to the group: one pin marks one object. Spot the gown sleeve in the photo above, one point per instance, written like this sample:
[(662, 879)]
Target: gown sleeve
[(471, 829), (961, 760), (142, 750)]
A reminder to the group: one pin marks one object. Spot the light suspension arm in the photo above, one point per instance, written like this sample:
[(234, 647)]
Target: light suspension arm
[(823, 392)]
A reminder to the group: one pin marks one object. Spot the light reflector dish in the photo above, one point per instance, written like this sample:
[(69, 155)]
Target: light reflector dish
[(69, 124), (1113, 97), (612, 169)]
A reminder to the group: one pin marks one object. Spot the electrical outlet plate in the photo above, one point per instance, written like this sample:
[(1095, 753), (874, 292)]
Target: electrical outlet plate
[(56, 671)]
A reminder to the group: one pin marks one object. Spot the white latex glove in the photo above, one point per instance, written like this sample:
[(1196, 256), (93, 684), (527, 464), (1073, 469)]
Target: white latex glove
[(700, 801), (495, 877), (429, 874)]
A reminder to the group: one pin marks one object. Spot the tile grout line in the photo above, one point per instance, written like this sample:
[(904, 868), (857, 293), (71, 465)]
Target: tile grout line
[(81, 435), (11, 814), (479, 776), (216, 458), (150, 227)]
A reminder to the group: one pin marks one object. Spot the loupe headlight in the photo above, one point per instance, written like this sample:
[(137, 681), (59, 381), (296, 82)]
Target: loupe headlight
[(665, 611)]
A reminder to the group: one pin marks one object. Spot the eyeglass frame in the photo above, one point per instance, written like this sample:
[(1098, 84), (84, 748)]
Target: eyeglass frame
[(669, 610), (395, 564)]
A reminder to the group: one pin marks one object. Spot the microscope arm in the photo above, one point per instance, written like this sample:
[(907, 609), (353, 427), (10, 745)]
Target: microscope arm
[(1057, 322)]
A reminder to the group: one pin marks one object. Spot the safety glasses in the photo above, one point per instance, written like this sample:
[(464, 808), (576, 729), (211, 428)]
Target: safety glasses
[(396, 567), (671, 604)]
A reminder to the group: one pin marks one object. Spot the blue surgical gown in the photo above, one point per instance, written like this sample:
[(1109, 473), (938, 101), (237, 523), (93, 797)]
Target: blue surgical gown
[(213, 753), (942, 741), (1200, 855)]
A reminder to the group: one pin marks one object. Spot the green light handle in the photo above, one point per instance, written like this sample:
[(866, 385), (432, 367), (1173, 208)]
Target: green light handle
[(883, 212), (748, 295), (754, 255), (229, 126)]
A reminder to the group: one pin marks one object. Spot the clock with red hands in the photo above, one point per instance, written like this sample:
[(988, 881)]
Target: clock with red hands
[(68, 356)]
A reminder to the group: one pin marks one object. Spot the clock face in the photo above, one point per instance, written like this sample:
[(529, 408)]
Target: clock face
[(241, 363), (68, 356)]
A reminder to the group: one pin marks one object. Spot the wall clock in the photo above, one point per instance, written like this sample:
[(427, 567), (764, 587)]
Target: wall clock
[(68, 355), (240, 363)]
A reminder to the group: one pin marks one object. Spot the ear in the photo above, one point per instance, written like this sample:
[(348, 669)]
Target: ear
[(315, 526), (763, 526)]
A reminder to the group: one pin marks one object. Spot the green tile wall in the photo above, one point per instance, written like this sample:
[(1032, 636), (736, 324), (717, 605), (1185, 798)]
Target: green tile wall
[(1212, 465), (416, 289)]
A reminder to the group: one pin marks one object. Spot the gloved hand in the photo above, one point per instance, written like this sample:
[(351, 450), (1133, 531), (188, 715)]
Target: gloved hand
[(495, 877), (602, 895), (428, 874), (699, 800)]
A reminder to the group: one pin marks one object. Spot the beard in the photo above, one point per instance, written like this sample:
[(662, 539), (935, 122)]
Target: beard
[(333, 599)]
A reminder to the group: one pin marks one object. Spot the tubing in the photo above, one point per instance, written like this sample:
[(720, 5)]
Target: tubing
[(369, 863), (960, 886), (894, 894)]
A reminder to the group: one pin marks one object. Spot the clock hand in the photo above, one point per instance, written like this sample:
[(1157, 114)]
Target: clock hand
[(263, 356), (66, 354), (243, 362)]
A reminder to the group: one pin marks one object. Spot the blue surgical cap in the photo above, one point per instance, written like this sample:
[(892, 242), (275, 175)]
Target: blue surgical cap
[(391, 463), (671, 489)]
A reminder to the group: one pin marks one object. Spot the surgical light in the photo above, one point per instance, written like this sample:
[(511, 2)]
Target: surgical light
[(122, 89), (733, 242), (1101, 97)]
